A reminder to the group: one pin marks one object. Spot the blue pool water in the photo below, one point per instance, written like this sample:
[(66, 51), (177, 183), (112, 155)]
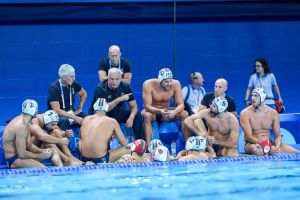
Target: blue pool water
[(232, 180)]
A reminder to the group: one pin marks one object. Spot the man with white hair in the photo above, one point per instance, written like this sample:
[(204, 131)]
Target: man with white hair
[(114, 60), (117, 92), (256, 121), (61, 97), (220, 89)]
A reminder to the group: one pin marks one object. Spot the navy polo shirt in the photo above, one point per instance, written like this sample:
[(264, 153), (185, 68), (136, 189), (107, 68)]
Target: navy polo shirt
[(124, 66), (209, 97), (54, 94), (103, 91)]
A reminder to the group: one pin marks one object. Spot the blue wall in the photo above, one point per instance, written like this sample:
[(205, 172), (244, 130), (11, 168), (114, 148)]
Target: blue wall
[(30, 55)]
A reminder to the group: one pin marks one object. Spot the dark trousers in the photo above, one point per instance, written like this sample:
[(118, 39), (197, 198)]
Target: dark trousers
[(137, 126), (64, 122)]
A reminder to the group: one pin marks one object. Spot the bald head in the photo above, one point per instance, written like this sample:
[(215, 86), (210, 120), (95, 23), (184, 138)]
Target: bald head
[(114, 54), (220, 87)]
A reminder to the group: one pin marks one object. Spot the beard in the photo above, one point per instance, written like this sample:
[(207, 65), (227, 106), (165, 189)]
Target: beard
[(213, 114)]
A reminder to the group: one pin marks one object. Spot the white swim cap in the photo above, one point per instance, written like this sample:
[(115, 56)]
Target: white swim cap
[(196, 143), (154, 143), (30, 107), (221, 103), (164, 74), (160, 154), (261, 93), (101, 105), (50, 116)]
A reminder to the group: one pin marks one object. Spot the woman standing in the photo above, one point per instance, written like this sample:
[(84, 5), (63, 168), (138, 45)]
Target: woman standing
[(263, 78)]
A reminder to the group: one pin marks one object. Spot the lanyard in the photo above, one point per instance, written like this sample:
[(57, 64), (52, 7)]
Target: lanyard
[(62, 95), (197, 97)]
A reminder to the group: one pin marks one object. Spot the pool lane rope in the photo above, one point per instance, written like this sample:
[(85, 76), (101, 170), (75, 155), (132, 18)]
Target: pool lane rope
[(67, 169)]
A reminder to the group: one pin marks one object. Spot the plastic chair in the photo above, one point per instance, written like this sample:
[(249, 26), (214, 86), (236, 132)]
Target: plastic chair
[(168, 132), (287, 137)]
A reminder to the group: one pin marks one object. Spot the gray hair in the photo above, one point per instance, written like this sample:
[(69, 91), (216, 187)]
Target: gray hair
[(65, 70), (115, 70), (114, 48)]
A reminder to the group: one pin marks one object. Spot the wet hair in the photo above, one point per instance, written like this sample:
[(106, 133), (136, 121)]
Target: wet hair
[(264, 64)]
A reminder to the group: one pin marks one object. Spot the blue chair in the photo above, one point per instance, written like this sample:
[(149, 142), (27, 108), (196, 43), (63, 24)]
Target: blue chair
[(155, 131), (180, 143), (287, 137), (168, 132)]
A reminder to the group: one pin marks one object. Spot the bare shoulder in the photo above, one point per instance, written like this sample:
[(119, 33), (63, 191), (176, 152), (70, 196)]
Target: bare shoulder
[(87, 118), (111, 120), (205, 113), (245, 112), (149, 82), (176, 84), (272, 111), (232, 117)]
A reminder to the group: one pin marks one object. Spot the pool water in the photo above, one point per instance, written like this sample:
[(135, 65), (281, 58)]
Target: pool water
[(244, 180)]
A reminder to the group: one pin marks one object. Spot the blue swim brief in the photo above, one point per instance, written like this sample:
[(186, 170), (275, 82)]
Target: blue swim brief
[(11, 160), (103, 159)]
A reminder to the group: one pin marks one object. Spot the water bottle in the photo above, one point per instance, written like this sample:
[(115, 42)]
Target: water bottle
[(173, 148)]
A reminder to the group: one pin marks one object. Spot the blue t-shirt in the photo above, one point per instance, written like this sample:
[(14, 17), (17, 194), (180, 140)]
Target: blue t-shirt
[(266, 82), (194, 98)]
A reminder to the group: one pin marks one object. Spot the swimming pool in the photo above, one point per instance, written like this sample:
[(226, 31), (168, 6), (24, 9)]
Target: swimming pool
[(253, 179)]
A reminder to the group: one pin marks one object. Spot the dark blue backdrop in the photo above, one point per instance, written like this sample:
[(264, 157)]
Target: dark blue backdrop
[(218, 44)]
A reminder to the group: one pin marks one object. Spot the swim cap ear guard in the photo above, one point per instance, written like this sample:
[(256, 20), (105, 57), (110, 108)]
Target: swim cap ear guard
[(261, 93), (50, 116), (101, 105), (160, 154), (221, 103), (196, 143), (154, 143), (30, 107), (139, 146), (164, 74)]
